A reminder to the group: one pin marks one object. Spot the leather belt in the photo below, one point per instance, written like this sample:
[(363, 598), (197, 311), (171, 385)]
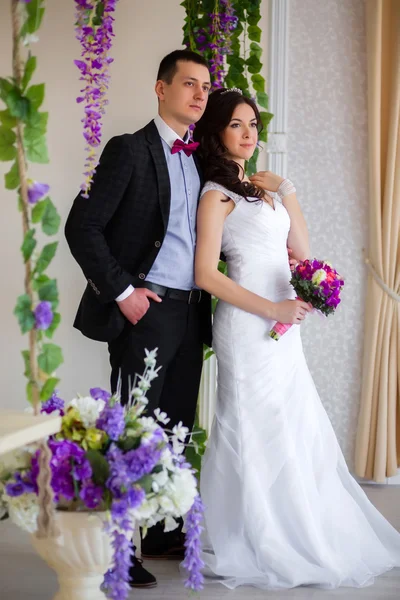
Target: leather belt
[(188, 296)]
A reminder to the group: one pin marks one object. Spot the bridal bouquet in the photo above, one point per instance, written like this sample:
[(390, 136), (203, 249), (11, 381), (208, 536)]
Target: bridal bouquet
[(108, 457), (318, 283)]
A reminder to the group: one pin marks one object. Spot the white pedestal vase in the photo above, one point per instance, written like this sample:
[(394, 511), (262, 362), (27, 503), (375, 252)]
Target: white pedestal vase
[(80, 555)]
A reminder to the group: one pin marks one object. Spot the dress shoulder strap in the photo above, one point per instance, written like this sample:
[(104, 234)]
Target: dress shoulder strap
[(212, 185)]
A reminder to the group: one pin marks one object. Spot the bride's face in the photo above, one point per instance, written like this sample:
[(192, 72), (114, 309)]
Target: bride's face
[(241, 135)]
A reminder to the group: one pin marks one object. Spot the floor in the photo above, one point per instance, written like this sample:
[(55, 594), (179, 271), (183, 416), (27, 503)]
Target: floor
[(23, 575)]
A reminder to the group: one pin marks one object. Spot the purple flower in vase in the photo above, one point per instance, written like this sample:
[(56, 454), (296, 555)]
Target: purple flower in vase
[(43, 315), (21, 485), (91, 494), (36, 191), (112, 421), (52, 404), (82, 470), (193, 562), (100, 394)]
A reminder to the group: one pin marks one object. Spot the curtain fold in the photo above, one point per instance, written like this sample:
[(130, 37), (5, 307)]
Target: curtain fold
[(378, 433)]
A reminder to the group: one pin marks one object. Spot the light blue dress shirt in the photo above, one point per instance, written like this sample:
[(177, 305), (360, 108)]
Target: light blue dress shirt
[(174, 265)]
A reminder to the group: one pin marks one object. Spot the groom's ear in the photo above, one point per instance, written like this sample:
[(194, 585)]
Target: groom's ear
[(160, 88)]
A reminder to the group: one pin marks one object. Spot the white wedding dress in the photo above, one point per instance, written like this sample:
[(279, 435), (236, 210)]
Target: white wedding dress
[(281, 508)]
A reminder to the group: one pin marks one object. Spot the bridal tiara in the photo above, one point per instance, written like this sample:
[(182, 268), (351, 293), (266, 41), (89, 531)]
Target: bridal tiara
[(234, 89)]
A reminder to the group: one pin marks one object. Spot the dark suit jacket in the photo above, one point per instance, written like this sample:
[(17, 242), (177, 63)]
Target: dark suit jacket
[(115, 235)]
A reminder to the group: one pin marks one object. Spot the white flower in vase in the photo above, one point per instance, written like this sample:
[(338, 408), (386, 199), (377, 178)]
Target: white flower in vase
[(89, 409)]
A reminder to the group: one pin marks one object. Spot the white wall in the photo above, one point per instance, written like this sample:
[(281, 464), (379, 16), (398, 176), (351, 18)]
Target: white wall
[(328, 161)]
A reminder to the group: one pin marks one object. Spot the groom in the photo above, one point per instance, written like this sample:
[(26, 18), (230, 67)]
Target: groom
[(134, 239)]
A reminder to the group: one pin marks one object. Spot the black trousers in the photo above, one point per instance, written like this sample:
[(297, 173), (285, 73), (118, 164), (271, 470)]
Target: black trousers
[(173, 327)]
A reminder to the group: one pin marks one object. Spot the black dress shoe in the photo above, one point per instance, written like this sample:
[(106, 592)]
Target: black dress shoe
[(139, 577), (175, 550)]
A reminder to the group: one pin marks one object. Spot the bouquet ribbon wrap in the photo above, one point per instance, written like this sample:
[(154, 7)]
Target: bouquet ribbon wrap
[(279, 329)]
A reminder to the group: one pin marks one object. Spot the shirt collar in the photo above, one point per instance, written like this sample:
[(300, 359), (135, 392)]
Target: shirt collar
[(167, 134)]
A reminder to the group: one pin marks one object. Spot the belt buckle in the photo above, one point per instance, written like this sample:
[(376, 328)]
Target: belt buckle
[(190, 295)]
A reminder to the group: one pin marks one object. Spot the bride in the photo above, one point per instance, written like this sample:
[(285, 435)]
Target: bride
[(282, 509)]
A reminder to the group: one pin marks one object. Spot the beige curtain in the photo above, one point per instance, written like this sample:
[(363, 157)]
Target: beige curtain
[(378, 435)]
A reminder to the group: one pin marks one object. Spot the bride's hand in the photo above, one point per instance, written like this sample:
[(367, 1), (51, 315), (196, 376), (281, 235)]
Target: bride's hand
[(291, 311), (266, 180)]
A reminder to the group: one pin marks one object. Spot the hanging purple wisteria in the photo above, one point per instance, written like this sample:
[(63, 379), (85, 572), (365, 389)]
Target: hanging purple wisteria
[(94, 30)]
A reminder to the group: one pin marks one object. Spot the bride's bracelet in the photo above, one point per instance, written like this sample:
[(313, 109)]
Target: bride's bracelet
[(285, 188)]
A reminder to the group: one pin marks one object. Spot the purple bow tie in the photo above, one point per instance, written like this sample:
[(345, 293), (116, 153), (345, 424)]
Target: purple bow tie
[(188, 149)]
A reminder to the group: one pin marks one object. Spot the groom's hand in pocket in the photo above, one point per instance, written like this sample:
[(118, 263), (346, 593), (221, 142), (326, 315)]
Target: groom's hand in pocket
[(136, 305)]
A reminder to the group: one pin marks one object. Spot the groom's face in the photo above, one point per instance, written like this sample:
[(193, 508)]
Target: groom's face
[(185, 98)]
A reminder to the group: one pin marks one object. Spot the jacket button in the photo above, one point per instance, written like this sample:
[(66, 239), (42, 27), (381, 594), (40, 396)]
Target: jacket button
[(157, 244), (142, 276)]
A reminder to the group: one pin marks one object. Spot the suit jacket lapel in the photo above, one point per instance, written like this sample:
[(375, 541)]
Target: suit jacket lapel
[(164, 185)]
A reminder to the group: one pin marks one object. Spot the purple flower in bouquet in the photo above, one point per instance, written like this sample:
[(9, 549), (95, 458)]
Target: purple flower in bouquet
[(193, 562), (112, 421), (36, 191), (52, 404), (317, 283), (43, 315)]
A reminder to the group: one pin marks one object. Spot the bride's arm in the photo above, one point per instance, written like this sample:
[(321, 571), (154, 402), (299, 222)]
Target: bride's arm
[(298, 239), (210, 221)]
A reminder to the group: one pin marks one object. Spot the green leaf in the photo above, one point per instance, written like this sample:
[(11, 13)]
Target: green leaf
[(258, 82), (19, 106), (7, 140), (100, 466), (24, 314), (263, 136), (7, 119), (35, 16), (253, 19), (5, 88), (262, 99), (251, 166), (51, 219), (28, 245), (38, 210), (266, 118), (254, 33), (50, 358), (36, 95), (48, 389), (36, 150), (55, 323), (12, 177), (46, 256), (30, 67), (256, 49), (36, 125), (254, 64), (208, 354), (47, 290), (26, 356)]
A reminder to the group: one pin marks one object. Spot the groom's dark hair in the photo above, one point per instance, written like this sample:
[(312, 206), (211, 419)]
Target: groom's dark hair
[(169, 67)]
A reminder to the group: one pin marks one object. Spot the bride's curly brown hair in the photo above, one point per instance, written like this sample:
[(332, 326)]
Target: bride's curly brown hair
[(212, 153)]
